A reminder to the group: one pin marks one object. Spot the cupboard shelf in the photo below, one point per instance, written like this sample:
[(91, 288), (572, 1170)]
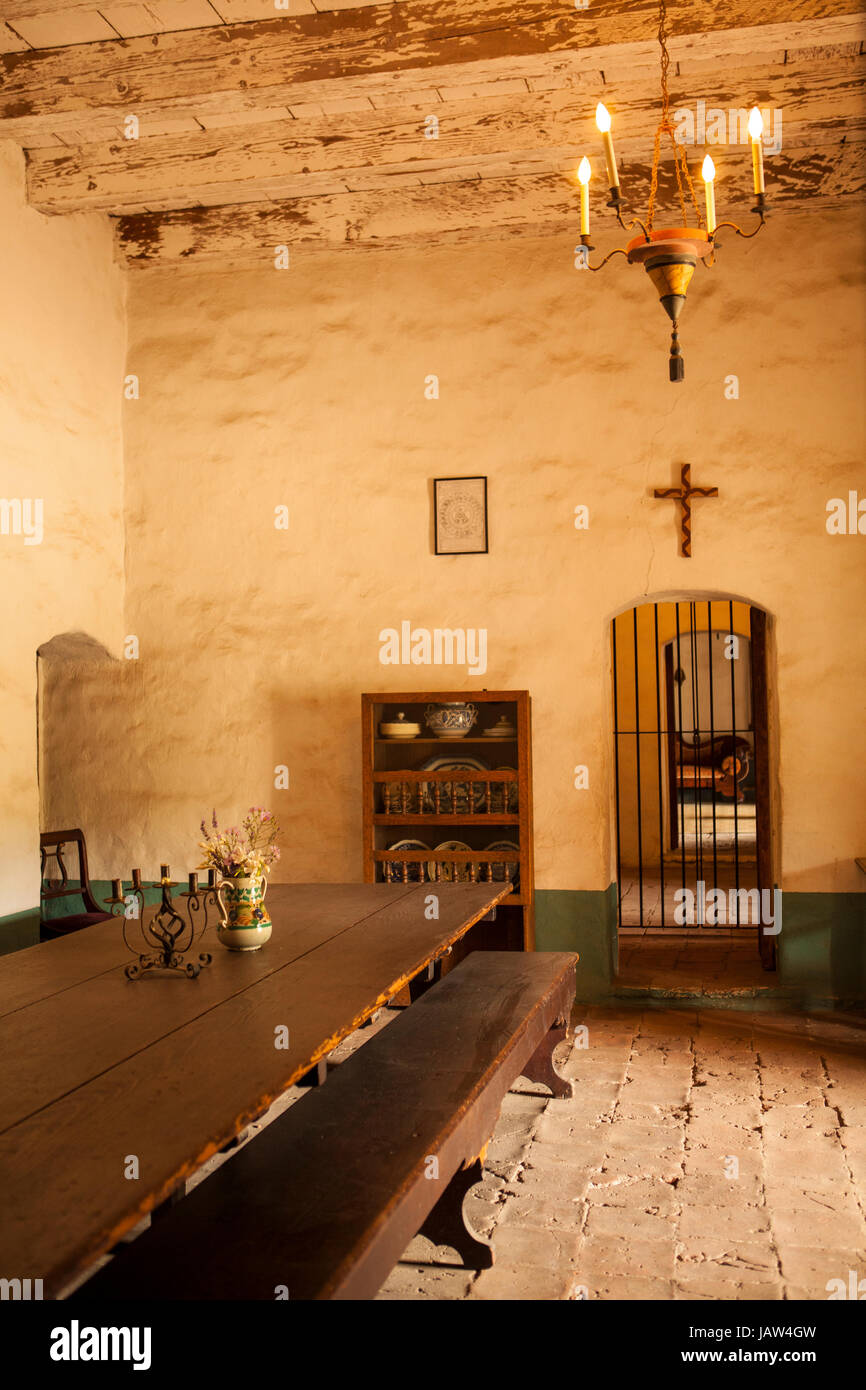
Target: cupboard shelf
[(510, 779), (449, 742), (398, 818)]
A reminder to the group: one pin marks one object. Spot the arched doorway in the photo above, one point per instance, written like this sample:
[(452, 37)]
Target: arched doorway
[(692, 782), (70, 668)]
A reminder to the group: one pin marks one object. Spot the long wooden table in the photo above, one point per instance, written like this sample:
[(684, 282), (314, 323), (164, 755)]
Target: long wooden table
[(99, 1071)]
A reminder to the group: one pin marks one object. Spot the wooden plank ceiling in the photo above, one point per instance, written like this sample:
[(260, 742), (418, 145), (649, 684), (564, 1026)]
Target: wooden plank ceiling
[(305, 122)]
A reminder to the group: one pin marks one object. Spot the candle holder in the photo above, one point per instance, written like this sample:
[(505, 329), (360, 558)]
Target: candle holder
[(167, 936)]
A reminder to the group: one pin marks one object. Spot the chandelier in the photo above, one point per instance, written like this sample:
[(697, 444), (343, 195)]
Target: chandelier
[(671, 254)]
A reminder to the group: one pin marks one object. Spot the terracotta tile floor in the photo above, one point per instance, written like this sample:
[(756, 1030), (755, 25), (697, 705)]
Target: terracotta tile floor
[(705, 1156), (705, 965)]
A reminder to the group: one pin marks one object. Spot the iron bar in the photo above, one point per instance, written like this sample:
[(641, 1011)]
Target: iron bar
[(680, 804), (734, 752), (697, 790), (616, 772), (712, 742), (758, 828), (637, 755), (659, 760)]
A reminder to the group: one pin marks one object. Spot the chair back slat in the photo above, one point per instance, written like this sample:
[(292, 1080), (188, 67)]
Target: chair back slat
[(51, 845)]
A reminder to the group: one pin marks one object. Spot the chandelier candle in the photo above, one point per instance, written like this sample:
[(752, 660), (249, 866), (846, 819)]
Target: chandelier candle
[(584, 174), (756, 132), (708, 173), (602, 120)]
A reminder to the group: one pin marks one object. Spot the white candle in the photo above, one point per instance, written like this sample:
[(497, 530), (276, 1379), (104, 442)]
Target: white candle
[(602, 120), (584, 174), (756, 132), (708, 173)]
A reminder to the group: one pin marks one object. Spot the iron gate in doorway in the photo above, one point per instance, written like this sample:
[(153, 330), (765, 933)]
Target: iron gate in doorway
[(691, 765)]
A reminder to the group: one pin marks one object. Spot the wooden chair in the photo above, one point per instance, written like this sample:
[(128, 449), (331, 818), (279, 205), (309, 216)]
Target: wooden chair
[(721, 763), (52, 844)]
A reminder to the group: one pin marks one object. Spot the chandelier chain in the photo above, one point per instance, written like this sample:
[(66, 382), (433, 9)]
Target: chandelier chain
[(665, 59), (681, 166), (698, 214)]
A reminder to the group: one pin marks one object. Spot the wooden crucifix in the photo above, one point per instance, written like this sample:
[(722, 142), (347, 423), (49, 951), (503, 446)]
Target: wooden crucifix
[(683, 494)]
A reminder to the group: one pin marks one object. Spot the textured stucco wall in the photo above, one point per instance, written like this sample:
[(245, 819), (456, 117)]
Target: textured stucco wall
[(62, 344), (306, 388)]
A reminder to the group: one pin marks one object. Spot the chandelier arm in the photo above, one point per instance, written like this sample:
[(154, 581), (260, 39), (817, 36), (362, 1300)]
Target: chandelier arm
[(630, 226), (620, 251), (739, 231)]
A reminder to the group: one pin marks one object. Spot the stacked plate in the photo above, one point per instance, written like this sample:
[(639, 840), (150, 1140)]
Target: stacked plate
[(450, 873), (414, 871), (503, 795), (419, 871), (503, 873), (455, 798), (501, 729)]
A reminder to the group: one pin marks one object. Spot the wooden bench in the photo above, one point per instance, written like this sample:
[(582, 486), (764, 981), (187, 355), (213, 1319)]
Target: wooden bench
[(325, 1200)]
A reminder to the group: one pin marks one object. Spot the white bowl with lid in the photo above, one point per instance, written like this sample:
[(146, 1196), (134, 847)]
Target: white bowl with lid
[(501, 729), (401, 727)]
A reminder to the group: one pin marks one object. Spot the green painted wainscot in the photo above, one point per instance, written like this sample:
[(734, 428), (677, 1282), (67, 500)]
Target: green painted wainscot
[(821, 951)]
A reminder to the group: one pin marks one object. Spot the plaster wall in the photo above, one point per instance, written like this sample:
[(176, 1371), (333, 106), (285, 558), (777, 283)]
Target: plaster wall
[(62, 345), (305, 388)]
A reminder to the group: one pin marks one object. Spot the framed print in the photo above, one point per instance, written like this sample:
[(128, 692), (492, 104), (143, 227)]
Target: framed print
[(460, 516)]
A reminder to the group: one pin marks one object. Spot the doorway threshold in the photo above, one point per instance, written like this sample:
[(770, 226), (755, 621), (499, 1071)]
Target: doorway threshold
[(695, 933), (686, 964)]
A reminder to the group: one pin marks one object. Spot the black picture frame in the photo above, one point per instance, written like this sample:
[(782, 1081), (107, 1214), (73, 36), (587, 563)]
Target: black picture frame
[(445, 542)]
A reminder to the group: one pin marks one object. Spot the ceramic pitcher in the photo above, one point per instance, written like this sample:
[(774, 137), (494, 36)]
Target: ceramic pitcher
[(245, 924)]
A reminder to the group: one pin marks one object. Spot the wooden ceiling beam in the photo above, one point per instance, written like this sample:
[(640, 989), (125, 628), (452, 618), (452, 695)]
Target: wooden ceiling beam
[(466, 211), (700, 59), (290, 157), (263, 64), (35, 9)]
